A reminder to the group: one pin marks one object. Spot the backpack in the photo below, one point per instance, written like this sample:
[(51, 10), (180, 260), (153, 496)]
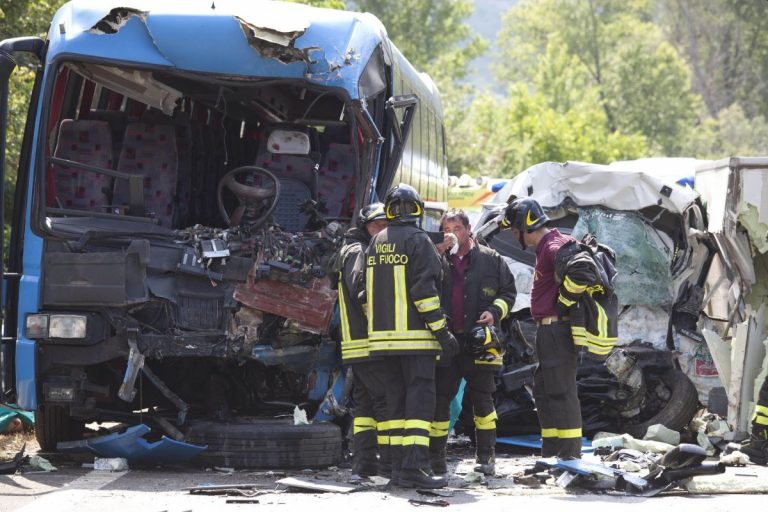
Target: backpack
[(605, 261)]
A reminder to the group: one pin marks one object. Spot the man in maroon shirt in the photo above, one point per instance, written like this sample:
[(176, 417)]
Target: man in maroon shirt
[(478, 294), (554, 383)]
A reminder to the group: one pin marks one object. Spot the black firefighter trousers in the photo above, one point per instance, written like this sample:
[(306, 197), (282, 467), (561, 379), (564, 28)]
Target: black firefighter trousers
[(370, 410), (480, 387), (410, 406), (555, 393)]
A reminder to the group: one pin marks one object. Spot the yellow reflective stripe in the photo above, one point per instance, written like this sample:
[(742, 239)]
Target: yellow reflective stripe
[(503, 307), (387, 425), (761, 420), (396, 440), (427, 305), (364, 421), (369, 296), (382, 440), (439, 428), (387, 335), (401, 298), (487, 422), (345, 335), (549, 432), (359, 430), (421, 424), (573, 287), (436, 326), (396, 424), (378, 345), (761, 409), (355, 354), (568, 433), (563, 300), (415, 440)]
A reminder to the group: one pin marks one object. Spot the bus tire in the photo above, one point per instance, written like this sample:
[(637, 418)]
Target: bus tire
[(248, 442), (53, 424), (679, 410)]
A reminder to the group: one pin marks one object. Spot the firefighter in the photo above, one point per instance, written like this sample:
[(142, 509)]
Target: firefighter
[(478, 293), (554, 383), (757, 447), (367, 391), (407, 328)]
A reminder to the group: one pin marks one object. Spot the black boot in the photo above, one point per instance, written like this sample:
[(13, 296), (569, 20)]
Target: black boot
[(486, 452), (486, 462), (438, 455), (420, 479), (757, 448)]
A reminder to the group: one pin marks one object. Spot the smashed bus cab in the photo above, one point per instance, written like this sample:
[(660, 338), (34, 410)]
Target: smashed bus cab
[(188, 171)]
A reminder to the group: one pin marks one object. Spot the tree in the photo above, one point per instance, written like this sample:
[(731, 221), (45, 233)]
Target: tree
[(432, 34), (726, 45), (329, 4), (20, 18), (506, 136), (613, 46), (731, 133)]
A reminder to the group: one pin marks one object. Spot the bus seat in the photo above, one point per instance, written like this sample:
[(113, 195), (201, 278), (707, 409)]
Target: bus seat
[(117, 120), (87, 142), (336, 180), (298, 182), (185, 150), (150, 150)]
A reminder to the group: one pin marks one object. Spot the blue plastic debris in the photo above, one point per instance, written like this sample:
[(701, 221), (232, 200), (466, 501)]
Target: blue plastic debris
[(534, 441), (131, 445)]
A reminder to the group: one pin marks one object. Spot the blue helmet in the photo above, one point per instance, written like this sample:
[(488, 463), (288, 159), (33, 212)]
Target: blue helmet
[(524, 214)]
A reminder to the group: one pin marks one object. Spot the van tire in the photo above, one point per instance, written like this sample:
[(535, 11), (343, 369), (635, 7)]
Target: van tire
[(54, 424), (249, 442), (679, 410)]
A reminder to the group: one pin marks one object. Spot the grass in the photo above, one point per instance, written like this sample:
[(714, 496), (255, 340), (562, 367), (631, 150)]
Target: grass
[(10, 444)]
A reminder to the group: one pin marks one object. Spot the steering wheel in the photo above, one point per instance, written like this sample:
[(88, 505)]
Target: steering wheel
[(246, 194)]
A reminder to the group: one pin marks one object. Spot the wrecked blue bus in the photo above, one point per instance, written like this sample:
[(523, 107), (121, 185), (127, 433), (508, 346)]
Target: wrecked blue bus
[(186, 173)]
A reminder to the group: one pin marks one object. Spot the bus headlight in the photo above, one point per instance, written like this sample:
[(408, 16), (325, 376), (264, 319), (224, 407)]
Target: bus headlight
[(57, 326)]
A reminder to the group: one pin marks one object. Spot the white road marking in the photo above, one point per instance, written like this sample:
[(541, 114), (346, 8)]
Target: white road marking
[(64, 500)]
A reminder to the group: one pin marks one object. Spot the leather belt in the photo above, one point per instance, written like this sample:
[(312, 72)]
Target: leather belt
[(548, 320)]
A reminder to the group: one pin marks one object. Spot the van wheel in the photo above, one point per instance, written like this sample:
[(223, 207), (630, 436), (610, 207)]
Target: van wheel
[(248, 442), (679, 409), (53, 424)]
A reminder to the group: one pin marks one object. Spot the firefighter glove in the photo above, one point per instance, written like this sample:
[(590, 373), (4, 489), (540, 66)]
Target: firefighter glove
[(448, 343)]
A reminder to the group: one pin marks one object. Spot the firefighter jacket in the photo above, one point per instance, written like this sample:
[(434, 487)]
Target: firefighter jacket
[(353, 324), (591, 305), (402, 278), (488, 286)]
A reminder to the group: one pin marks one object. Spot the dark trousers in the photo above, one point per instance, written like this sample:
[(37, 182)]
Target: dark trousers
[(554, 390), (370, 409), (760, 421), (480, 388), (410, 399)]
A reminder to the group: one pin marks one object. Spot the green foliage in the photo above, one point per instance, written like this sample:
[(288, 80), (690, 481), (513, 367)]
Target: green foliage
[(725, 44), (506, 136), (731, 133), (611, 46), (20, 18), (329, 4), (432, 34)]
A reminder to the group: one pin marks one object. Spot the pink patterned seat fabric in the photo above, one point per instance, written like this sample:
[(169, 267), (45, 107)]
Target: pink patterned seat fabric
[(337, 180), (86, 142), (150, 150)]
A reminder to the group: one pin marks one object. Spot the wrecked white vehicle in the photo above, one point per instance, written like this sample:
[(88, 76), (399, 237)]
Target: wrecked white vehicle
[(187, 171), (657, 228)]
